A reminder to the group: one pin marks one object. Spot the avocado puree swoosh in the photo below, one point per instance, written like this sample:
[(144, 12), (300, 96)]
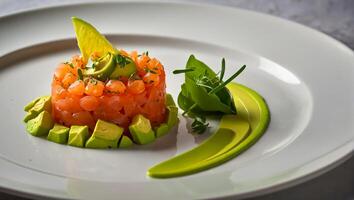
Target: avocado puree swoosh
[(236, 133)]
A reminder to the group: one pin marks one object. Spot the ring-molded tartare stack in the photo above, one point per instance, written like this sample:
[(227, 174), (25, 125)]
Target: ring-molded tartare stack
[(83, 101), (105, 98)]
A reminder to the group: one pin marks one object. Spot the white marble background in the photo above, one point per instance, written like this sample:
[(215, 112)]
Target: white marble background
[(333, 17)]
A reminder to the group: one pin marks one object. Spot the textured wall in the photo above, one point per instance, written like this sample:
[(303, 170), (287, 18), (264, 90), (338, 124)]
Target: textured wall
[(334, 17)]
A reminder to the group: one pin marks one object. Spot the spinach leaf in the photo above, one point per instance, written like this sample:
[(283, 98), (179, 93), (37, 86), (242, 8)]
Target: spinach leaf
[(204, 92)]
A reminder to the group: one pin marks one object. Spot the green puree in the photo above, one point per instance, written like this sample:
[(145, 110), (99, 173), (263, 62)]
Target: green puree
[(236, 133)]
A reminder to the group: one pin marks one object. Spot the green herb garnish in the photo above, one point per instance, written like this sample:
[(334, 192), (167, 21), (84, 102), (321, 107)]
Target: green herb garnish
[(93, 66), (223, 84), (69, 63), (222, 69), (91, 80), (81, 76), (199, 124), (204, 92), (134, 76), (122, 60), (149, 70), (180, 71)]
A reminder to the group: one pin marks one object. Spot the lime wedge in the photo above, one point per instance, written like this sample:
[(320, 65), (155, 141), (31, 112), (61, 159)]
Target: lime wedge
[(90, 40)]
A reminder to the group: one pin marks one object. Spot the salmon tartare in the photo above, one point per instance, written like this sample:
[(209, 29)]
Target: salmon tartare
[(103, 98), (83, 102)]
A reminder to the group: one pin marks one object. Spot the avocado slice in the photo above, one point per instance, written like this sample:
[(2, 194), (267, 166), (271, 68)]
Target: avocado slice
[(161, 130), (29, 116), (98, 143), (169, 100), (37, 106), (125, 142), (31, 104), (59, 134), (78, 135), (40, 125), (103, 68), (141, 130), (105, 135), (124, 67), (44, 103), (107, 131), (172, 117)]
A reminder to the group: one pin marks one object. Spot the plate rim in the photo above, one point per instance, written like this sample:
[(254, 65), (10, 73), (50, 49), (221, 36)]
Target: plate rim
[(322, 165), (175, 2)]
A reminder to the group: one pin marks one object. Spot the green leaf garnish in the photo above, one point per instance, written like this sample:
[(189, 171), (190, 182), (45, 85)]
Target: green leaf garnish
[(204, 92), (222, 69), (122, 60), (81, 76), (70, 64), (199, 124), (223, 84), (218, 88), (147, 70), (180, 71)]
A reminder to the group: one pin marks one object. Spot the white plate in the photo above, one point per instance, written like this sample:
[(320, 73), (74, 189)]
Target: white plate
[(306, 77)]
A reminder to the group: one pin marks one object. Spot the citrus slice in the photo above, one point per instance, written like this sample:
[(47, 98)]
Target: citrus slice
[(90, 40)]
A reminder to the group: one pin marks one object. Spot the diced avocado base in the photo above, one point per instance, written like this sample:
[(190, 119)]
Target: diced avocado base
[(161, 130), (105, 135), (169, 100), (141, 130), (43, 103), (59, 134), (78, 135), (125, 142), (40, 125), (29, 116), (172, 117), (31, 104), (107, 131), (99, 143)]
